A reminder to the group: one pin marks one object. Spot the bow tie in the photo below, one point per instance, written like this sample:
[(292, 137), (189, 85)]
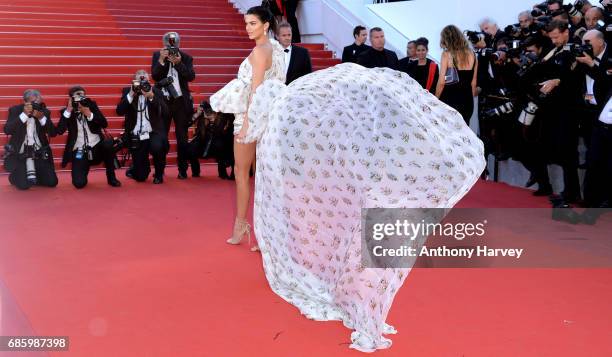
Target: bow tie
[(286, 50)]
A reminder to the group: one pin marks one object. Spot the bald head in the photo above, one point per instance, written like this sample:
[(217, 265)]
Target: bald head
[(596, 39), (591, 17)]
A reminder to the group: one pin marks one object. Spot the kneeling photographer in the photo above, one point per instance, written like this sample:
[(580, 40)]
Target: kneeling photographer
[(86, 144), (213, 139), (27, 156), (145, 132)]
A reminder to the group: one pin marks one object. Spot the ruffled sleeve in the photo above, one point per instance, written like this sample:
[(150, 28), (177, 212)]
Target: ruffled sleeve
[(232, 98)]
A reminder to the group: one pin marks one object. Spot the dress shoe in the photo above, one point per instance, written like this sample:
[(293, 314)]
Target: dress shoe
[(570, 197), (114, 182), (195, 174), (158, 180), (182, 175), (128, 173)]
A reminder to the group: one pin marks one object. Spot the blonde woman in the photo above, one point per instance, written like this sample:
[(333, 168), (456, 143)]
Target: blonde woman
[(457, 54)]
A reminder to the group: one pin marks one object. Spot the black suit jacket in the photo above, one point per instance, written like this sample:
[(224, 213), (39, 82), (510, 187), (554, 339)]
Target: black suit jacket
[(299, 64), (95, 126), (368, 59), (352, 52), (185, 71), (17, 129), (155, 108)]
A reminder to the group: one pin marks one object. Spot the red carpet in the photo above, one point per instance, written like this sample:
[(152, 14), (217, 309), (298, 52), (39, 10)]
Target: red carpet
[(101, 44), (144, 270)]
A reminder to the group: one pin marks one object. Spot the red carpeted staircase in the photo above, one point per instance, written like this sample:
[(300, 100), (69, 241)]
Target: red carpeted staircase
[(52, 45)]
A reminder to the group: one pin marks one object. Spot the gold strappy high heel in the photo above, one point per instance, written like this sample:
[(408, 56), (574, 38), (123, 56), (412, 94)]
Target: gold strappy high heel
[(241, 228)]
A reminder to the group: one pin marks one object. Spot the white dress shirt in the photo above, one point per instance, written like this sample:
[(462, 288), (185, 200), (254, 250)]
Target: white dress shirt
[(590, 82), (287, 57), (92, 139), (606, 115), (31, 138), (143, 125)]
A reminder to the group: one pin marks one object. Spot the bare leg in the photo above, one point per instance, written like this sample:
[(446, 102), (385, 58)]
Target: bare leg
[(244, 155)]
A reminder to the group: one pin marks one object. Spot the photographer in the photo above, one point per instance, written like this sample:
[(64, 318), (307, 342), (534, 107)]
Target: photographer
[(172, 70), (560, 100), (86, 144), (213, 139), (28, 156), (145, 133), (596, 125), (489, 26)]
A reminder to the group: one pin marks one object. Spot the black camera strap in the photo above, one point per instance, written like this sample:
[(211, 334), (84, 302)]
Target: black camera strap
[(83, 123), (144, 114)]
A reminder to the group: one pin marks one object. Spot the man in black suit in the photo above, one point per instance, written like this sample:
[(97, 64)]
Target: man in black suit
[(145, 131), (352, 52), (489, 26), (29, 159), (560, 110), (297, 59), (378, 55), (170, 61), (597, 122), (86, 144)]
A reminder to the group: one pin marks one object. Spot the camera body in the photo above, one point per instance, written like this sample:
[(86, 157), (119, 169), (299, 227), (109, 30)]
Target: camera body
[(474, 36), (579, 50), (168, 84), (141, 84), (80, 99), (38, 106)]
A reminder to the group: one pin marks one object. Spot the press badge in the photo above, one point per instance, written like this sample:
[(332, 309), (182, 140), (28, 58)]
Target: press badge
[(144, 136)]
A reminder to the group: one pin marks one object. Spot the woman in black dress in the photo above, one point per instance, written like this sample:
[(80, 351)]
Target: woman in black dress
[(457, 54), (424, 70)]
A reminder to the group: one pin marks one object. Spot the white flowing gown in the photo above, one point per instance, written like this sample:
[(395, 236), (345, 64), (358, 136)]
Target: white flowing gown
[(329, 144)]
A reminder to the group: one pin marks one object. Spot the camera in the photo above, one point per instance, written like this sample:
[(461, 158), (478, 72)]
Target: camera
[(571, 10), (540, 9), (168, 84), (498, 111), (514, 30), (80, 99), (579, 50), (142, 84), (475, 37), (38, 106), (172, 48), (527, 61), (528, 114), (579, 4)]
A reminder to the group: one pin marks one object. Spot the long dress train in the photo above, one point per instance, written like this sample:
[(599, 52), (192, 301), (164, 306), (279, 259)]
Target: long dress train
[(329, 144)]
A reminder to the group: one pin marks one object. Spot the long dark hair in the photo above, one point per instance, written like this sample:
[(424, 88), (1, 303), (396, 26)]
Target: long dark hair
[(264, 15), (453, 41)]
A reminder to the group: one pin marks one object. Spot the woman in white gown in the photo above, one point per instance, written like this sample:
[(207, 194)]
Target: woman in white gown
[(329, 144)]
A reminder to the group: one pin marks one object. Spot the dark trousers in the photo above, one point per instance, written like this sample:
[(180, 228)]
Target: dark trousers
[(598, 177), (156, 146), (45, 174), (178, 113), (224, 156), (102, 152), (588, 119), (292, 20)]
